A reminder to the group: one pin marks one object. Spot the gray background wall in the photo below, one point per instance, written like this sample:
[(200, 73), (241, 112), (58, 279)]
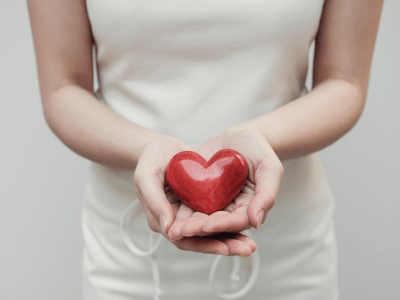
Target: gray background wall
[(42, 181)]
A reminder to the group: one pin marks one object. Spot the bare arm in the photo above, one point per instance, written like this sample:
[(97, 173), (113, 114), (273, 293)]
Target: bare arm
[(343, 54), (63, 44)]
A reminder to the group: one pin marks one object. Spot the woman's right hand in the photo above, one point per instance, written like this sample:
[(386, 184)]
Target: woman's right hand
[(161, 205)]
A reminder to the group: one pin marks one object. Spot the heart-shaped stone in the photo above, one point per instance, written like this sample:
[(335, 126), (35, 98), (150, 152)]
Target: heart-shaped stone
[(210, 186)]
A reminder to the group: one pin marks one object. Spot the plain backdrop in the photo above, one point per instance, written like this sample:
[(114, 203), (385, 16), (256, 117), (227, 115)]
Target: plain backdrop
[(42, 181)]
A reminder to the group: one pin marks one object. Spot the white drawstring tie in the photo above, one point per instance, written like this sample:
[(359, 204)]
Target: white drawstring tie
[(255, 270), (154, 245)]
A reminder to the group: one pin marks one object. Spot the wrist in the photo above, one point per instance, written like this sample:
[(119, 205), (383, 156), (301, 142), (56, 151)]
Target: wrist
[(141, 142), (162, 141), (270, 132), (248, 127)]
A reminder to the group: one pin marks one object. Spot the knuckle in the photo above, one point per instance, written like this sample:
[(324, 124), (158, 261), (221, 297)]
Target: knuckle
[(271, 202), (138, 178), (277, 166), (179, 245), (231, 131), (137, 188), (153, 227)]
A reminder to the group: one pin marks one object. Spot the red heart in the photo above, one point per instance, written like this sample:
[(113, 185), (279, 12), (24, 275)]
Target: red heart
[(207, 187)]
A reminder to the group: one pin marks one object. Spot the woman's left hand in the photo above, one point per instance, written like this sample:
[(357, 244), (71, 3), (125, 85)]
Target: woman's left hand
[(251, 206)]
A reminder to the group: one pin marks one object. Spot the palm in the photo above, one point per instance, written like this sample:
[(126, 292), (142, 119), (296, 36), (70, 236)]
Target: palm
[(188, 224), (232, 219), (159, 203), (243, 212)]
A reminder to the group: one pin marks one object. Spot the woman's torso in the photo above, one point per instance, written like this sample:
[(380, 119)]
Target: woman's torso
[(190, 69)]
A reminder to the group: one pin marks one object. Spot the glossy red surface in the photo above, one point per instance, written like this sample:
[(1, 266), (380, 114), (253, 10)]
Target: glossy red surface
[(207, 186)]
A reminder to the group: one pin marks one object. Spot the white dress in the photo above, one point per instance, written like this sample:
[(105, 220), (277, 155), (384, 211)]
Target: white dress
[(190, 69)]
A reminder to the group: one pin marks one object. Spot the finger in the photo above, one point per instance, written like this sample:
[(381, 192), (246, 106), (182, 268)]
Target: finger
[(203, 245), (149, 183), (175, 207), (184, 212), (152, 221), (237, 246), (229, 222), (242, 199), (248, 188), (175, 231), (248, 241), (193, 225), (220, 244), (268, 175), (172, 198)]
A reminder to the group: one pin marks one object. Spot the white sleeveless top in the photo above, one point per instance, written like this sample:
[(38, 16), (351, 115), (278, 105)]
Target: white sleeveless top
[(190, 69)]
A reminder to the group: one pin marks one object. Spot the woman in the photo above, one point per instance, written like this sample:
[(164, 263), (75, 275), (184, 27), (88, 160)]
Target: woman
[(205, 75)]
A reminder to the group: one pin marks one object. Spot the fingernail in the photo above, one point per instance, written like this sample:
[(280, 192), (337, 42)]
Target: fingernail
[(259, 218), (221, 252), (163, 221), (172, 239)]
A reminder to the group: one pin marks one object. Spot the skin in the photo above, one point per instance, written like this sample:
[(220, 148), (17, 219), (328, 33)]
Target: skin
[(343, 54)]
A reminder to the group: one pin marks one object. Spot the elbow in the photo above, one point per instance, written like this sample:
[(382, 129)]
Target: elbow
[(49, 113), (53, 110), (349, 100), (356, 101)]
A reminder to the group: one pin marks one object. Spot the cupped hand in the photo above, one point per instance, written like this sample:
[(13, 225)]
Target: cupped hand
[(161, 205), (250, 208)]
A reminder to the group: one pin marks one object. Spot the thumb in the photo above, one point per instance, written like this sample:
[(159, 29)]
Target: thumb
[(160, 213), (268, 176)]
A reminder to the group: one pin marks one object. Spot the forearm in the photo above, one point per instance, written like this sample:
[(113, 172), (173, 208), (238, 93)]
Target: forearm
[(314, 121), (93, 130)]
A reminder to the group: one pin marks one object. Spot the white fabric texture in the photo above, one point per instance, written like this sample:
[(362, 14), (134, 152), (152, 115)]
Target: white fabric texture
[(190, 69), (154, 244)]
